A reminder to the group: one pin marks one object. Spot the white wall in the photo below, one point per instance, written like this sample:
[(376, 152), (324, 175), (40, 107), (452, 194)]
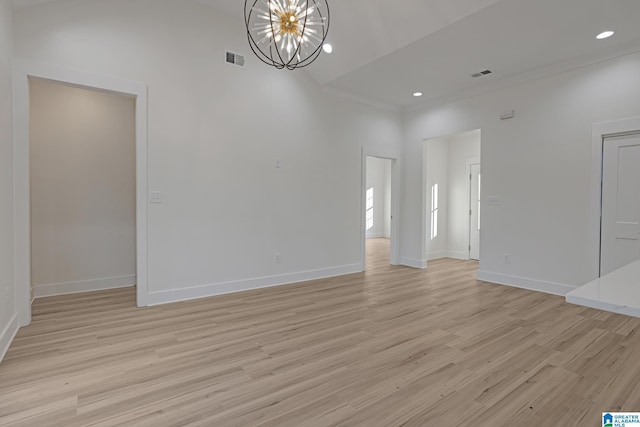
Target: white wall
[(214, 133), (462, 148), (8, 318), (538, 163), (437, 171), (82, 150), (379, 178)]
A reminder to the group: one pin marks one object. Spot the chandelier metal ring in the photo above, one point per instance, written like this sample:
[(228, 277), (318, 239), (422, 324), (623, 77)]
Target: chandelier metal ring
[(286, 33)]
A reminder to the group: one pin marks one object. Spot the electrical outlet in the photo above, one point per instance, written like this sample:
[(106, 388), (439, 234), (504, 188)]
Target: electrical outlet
[(494, 201), (276, 257), (155, 197), (507, 259)]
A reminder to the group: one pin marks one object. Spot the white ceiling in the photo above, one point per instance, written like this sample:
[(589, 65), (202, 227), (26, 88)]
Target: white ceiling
[(509, 37), (384, 51)]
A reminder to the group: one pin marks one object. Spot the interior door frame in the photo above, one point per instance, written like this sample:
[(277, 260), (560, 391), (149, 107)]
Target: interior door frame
[(599, 132), (425, 212), (470, 162), (395, 158), (611, 173), (22, 72)]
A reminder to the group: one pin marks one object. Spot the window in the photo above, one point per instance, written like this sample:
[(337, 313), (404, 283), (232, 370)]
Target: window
[(370, 208), (434, 211)]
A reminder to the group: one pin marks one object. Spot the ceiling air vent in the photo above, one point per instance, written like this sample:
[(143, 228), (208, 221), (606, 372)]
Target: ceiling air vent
[(481, 73), (234, 59)]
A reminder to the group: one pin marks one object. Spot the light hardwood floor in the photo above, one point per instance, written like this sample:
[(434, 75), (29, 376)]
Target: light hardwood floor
[(394, 346)]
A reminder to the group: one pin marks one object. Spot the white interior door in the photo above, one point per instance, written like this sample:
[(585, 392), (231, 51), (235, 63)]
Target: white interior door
[(620, 234), (474, 211)]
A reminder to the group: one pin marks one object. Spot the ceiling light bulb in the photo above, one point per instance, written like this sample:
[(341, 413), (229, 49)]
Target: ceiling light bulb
[(417, 94), (604, 35), (327, 48)]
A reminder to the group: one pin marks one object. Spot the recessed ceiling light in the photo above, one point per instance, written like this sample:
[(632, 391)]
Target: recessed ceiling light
[(327, 48), (604, 35), (417, 94)]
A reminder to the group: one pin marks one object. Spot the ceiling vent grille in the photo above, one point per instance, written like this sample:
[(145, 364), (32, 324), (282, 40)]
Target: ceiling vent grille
[(482, 73), (234, 59)]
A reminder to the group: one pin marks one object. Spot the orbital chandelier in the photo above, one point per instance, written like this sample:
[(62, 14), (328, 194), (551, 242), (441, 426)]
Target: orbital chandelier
[(286, 33)]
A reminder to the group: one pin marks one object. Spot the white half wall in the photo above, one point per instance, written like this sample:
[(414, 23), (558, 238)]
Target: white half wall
[(83, 197), (215, 132), (8, 316), (538, 164)]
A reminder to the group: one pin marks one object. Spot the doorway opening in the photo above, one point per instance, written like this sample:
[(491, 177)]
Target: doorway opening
[(379, 214), (452, 183), (25, 71), (620, 205), (610, 281), (82, 189), (378, 209), (600, 134)]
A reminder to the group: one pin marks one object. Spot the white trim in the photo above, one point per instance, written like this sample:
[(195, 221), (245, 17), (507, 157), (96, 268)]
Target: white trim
[(7, 335), (470, 162), (624, 49), (437, 255), (414, 263), (175, 295), (425, 223), (525, 283), (378, 236), (613, 308), (395, 157), (599, 131), (41, 291), (22, 71), (461, 255)]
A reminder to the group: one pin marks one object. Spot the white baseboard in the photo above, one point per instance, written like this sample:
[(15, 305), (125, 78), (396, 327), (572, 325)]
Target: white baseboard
[(413, 262), (53, 289), (601, 305), (525, 283), (436, 255), (175, 295), (462, 255), (377, 236), (448, 254), (7, 335)]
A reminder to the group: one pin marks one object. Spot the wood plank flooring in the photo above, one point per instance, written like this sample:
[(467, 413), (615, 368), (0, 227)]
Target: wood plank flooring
[(394, 346)]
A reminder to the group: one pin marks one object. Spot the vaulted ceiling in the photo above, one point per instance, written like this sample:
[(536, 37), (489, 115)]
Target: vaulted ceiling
[(385, 51)]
